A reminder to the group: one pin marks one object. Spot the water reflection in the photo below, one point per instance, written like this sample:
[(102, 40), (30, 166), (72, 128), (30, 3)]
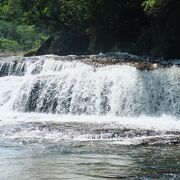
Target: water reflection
[(90, 160)]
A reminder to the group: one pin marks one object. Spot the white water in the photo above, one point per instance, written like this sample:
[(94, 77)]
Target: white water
[(63, 89)]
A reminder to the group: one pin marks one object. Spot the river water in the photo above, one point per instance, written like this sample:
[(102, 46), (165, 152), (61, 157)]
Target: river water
[(90, 160), (61, 118)]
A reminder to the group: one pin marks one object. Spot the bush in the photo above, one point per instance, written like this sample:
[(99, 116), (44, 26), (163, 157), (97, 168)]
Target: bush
[(7, 30), (19, 37), (28, 37), (9, 45)]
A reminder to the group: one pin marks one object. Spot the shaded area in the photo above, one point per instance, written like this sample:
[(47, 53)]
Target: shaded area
[(148, 27)]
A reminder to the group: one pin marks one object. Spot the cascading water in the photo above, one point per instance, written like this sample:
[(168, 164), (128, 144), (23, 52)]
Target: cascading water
[(120, 97)]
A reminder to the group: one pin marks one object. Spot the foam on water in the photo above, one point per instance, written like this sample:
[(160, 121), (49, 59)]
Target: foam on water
[(118, 130), (163, 123)]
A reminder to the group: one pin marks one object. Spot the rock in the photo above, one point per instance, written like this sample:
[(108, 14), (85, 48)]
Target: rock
[(45, 47), (74, 42), (92, 34), (64, 43)]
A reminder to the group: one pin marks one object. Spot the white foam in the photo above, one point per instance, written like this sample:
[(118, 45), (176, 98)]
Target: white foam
[(164, 122)]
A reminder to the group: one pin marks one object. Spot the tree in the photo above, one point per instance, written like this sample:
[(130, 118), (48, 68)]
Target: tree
[(152, 25), (15, 34)]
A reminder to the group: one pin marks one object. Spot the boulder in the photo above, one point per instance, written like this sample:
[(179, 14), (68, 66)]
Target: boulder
[(65, 42)]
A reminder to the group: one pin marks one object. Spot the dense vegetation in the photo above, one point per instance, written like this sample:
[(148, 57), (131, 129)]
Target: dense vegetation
[(149, 27), (15, 33)]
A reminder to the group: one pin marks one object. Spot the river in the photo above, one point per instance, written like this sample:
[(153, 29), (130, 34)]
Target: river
[(63, 118)]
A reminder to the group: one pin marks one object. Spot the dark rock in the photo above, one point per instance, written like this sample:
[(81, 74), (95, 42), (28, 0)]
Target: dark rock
[(82, 42), (69, 41), (105, 42), (45, 47), (64, 43)]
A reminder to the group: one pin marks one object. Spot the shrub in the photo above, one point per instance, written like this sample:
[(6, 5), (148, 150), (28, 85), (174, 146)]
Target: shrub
[(28, 37), (9, 45), (7, 30), (16, 37)]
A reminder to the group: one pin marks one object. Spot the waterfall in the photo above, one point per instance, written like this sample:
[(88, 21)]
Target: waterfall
[(95, 97), (69, 85)]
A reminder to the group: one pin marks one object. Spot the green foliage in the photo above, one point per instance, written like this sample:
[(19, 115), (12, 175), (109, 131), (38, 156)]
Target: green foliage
[(7, 30), (152, 24), (104, 15), (9, 45), (28, 37), (147, 4), (11, 10), (75, 12), (22, 37), (15, 34)]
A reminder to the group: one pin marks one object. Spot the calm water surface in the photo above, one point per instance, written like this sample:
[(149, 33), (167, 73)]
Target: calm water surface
[(88, 160)]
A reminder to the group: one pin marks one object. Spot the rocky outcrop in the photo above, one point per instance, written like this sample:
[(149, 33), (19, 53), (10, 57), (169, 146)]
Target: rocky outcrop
[(64, 43), (69, 41)]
